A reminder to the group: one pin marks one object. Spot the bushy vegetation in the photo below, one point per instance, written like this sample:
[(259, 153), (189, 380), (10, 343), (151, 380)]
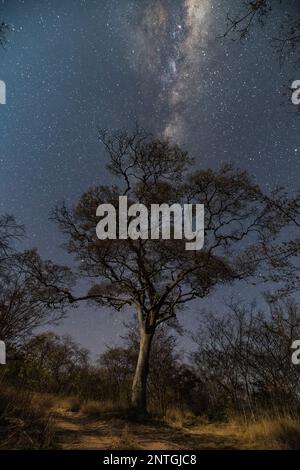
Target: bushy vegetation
[(25, 420), (239, 382)]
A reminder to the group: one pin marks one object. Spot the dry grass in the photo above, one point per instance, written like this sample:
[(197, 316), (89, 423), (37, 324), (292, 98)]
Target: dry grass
[(264, 433), (44, 401), (74, 404), (91, 408), (269, 432), (96, 409), (282, 432), (126, 441), (181, 418), (25, 420)]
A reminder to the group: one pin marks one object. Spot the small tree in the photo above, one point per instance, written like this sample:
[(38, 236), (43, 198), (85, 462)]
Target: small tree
[(243, 358), (29, 294), (52, 364), (159, 277), (10, 231)]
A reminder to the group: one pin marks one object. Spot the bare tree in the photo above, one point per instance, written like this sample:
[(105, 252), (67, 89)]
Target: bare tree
[(159, 277), (244, 357), (117, 366), (10, 231), (50, 363), (257, 11), (165, 367), (29, 295)]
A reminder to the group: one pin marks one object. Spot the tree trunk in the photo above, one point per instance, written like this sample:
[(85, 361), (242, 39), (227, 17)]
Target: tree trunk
[(139, 386)]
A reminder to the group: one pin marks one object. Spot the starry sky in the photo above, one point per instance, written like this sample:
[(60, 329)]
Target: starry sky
[(73, 66)]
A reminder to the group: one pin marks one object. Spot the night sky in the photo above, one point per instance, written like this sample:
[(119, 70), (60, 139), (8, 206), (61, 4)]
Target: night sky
[(73, 66)]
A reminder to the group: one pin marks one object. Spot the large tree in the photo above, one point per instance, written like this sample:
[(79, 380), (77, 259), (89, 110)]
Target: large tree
[(157, 278)]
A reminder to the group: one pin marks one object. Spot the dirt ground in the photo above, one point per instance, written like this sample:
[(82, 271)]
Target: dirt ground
[(76, 431)]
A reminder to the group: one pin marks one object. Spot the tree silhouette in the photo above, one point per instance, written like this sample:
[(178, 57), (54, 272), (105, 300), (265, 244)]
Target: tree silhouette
[(257, 11), (159, 277), (29, 295)]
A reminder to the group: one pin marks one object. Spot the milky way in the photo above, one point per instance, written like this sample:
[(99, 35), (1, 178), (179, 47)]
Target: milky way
[(169, 48), (186, 64), (73, 66)]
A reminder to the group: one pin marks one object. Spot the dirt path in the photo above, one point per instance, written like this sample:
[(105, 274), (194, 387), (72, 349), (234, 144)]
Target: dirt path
[(75, 431)]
